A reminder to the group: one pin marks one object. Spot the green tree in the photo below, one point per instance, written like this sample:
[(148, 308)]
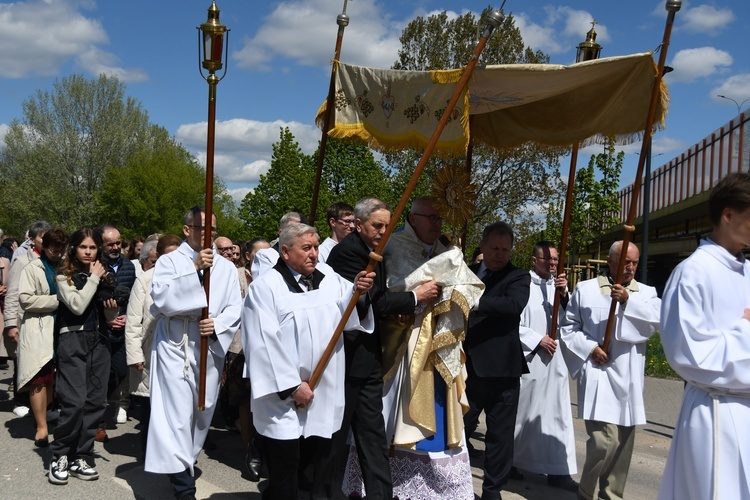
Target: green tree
[(512, 184), (286, 187), (58, 155), (350, 173), (85, 154), (595, 206), (154, 189)]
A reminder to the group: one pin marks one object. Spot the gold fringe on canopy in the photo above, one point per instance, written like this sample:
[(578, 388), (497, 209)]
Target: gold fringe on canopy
[(510, 104), (393, 110)]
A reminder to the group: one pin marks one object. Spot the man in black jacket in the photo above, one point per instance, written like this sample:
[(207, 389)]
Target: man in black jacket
[(364, 378), (121, 274), (495, 359)]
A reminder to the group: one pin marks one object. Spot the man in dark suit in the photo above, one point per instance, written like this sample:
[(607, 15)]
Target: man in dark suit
[(495, 359), (364, 379)]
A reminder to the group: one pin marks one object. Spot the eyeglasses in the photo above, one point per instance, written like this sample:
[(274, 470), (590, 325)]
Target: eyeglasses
[(434, 219), (201, 228), (224, 249), (551, 259), (346, 222)]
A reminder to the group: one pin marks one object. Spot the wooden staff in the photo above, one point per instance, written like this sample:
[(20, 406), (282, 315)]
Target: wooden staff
[(672, 7), (212, 80), (343, 21), (564, 242), (493, 21)]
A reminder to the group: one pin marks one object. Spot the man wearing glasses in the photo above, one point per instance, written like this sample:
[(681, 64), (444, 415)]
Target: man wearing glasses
[(341, 220), (177, 428), (544, 439)]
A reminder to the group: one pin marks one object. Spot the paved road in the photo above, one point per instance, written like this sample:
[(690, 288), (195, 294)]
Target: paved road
[(23, 474)]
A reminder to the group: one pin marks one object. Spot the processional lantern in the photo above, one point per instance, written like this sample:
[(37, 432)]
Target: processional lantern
[(589, 49), (211, 50), (210, 54)]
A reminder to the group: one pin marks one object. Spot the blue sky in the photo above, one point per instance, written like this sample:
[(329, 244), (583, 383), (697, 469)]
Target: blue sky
[(279, 54)]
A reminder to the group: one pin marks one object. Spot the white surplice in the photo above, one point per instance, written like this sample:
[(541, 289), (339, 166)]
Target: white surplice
[(324, 250), (544, 437), (611, 393), (707, 343), (177, 428), (284, 334)]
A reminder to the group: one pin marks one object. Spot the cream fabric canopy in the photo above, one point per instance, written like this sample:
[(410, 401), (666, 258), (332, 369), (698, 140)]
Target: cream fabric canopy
[(510, 104)]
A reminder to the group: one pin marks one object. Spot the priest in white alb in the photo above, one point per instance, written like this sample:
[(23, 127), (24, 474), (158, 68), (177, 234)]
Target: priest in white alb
[(544, 438), (705, 331), (177, 428), (610, 384), (290, 313)]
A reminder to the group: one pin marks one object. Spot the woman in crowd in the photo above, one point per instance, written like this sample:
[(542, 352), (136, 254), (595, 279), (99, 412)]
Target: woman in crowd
[(82, 359), (37, 297)]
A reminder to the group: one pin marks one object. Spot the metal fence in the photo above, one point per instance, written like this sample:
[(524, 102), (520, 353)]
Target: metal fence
[(696, 170)]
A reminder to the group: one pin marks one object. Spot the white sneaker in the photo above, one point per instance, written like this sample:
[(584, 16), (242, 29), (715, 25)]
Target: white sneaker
[(122, 415), (21, 411), (82, 470), (58, 471)]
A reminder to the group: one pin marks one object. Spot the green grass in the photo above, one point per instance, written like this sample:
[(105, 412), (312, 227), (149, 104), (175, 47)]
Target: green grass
[(656, 363)]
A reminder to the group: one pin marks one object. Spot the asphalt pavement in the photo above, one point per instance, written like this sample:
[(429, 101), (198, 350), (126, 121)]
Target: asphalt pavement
[(219, 474)]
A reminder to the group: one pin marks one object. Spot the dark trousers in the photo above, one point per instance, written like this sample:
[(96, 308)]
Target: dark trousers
[(284, 459), (363, 413), (119, 365), (498, 398), (144, 403), (182, 483), (81, 390)]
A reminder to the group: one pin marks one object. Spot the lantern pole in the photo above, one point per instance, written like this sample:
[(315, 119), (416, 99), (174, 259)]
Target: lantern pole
[(212, 47)]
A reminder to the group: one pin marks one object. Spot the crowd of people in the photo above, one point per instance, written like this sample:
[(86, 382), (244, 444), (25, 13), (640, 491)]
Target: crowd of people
[(355, 374)]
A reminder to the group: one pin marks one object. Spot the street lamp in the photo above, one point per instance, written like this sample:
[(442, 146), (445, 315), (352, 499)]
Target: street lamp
[(741, 138), (739, 105), (210, 58)]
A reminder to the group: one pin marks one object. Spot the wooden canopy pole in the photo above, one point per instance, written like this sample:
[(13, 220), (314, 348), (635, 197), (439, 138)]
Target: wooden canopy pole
[(343, 21), (564, 237), (493, 21), (672, 7)]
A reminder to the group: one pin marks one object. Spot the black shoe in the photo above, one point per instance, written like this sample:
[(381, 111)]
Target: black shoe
[(253, 464), (562, 482), (41, 443), (516, 474)]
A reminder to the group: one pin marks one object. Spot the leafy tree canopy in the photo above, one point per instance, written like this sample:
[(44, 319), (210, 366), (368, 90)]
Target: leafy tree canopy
[(350, 173), (85, 154)]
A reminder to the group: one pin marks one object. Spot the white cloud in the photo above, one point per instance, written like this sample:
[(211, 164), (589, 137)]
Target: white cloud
[(238, 194), (562, 29), (692, 64), (736, 87), (97, 61), (244, 147), (60, 33), (4, 129), (304, 32), (706, 19), (539, 37)]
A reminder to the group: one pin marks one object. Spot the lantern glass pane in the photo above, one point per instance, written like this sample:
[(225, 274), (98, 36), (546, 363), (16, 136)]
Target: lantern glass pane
[(207, 46)]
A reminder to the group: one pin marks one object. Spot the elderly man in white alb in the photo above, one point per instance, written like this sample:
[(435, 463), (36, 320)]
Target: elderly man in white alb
[(610, 384), (289, 316), (544, 439), (706, 337), (177, 427)]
